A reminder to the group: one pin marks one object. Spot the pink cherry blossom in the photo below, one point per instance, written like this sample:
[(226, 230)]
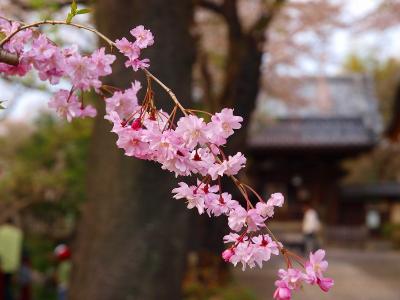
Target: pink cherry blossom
[(192, 130), (325, 284), (137, 63), (190, 194), (264, 209), (131, 141), (144, 37), (292, 277), (66, 104), (235, 163), (132, 52), (124, 102), (237, 218), (21, 69), (82, 72), (227, 254), (265, 241), (276, 199), (254, 220), (317, 261), (282, 291), (222, 125), (87, 111), (315, 268), (221, 204), (102, 62), (18, 41), (243, 253), (234, 238), (47, 59), (114, 118)]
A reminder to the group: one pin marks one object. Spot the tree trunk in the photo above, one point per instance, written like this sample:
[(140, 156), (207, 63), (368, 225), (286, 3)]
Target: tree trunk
[(132, 238)]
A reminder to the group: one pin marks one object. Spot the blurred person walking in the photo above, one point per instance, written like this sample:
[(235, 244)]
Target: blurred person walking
[(63, 271), (10, 256), (311, 227), (25, 277)]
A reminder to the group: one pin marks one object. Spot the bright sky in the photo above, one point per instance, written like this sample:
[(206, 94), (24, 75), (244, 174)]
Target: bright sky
[(338, 46), (378, 44)]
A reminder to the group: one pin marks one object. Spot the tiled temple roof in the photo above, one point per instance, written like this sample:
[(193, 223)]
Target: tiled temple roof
[(344, 116)]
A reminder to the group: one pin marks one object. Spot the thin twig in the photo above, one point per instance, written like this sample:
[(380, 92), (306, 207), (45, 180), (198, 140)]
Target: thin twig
[(49, 22), (167, 89)]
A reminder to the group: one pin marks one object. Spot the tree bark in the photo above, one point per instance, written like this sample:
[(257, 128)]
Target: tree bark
[(132, 239), (392, 132)]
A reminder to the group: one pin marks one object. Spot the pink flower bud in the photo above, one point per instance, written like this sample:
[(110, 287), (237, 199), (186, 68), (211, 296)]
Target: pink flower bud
[(227, 254), (137, 124), (325, 283), (282, 293)]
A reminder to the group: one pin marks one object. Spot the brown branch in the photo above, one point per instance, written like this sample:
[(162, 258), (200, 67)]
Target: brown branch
[(392, 131), (37, 24), (259, 27), (8, 58), (207, 82), (212, 6), (232, 19)]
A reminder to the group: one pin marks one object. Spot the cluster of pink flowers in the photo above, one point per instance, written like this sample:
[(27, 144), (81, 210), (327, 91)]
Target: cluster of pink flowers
[(143, 39), (36, 51), (249, 251), (188, 146), (292, 279)]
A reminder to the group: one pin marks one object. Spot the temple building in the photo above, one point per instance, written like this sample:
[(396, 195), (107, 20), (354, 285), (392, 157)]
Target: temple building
[(297, 146)]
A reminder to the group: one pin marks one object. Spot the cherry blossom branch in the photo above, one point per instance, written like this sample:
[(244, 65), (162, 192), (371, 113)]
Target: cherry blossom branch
[(50, 22), (167, 89), (8, 58), (191, 147)]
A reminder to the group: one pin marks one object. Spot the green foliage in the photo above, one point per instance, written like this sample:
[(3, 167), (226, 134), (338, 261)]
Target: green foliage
[(75, 11), (392, 231), (386, 75), (355, 64), (382, 164), (47, 168), (198, 291), (44, 166)]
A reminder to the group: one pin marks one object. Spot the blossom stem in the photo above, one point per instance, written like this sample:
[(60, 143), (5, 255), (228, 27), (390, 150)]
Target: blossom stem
[(199, 111), (50, 22), (8, 58), (253, 191), (167, 89)]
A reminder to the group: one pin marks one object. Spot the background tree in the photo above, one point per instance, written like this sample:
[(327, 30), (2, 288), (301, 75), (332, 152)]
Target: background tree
[(386, 15), (132, 238)]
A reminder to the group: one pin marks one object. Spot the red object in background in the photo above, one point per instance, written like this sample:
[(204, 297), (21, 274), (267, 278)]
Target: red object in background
[(62, 252), (2, 291), (26, 293)]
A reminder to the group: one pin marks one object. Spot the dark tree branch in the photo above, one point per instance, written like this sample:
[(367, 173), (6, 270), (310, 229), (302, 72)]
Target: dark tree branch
[(207, 83), (212, 6), (392, 131), (8, 58), (259, 27), (232, 19)]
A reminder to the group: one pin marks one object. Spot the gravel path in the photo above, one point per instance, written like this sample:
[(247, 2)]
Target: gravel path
[(358, 275)]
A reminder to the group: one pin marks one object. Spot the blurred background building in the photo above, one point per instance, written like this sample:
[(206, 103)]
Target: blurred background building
[(298, 144)]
